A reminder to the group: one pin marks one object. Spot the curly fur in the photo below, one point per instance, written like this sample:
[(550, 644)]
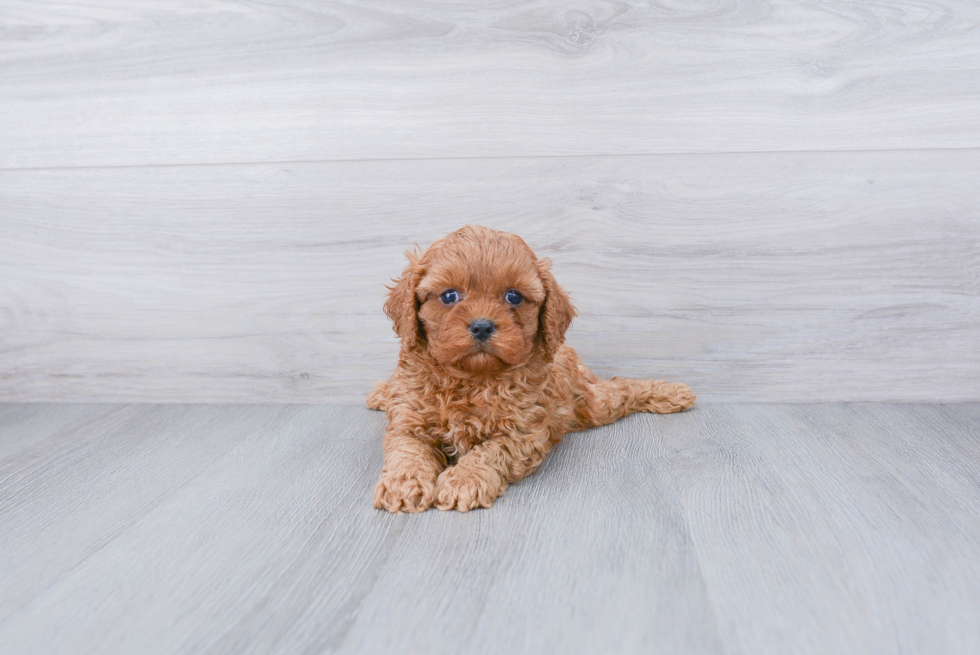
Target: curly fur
[(468, 418)]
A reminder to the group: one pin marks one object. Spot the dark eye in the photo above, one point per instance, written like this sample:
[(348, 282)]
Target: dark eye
[(449, 297), (513, 297)]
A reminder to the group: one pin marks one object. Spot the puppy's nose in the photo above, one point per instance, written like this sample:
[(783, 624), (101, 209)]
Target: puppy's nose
[(482, 328)]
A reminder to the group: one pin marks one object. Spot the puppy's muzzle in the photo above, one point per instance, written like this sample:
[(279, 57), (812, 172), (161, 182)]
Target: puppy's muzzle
[(482, 328)]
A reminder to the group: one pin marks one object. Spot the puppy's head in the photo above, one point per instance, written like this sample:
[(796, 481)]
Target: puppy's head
[(479, 302)]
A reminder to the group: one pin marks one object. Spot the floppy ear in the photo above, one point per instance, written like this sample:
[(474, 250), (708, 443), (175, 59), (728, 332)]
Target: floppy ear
[(402, 305), (556, 312)]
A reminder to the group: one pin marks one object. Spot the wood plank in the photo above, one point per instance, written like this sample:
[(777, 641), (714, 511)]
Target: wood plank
[(778, 277), (731, 528), (139, 82), (591, 554), (834, 528), (76, 488), (26, 426), (275, 548), (276, 529), (277, 526)]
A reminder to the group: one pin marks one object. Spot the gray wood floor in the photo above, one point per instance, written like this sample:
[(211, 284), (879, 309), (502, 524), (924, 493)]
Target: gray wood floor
[(825, 528)]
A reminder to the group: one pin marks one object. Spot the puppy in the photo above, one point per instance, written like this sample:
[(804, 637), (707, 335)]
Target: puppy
[(484, 386)]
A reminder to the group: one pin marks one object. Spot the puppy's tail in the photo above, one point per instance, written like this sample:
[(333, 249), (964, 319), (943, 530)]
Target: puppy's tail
[(613, 399), (378, 398)]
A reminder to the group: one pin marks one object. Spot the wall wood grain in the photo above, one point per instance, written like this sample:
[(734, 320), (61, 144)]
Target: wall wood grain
[(126, 82), (768, 276)]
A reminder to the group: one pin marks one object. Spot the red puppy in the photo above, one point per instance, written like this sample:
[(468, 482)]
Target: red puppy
[(484, 386)]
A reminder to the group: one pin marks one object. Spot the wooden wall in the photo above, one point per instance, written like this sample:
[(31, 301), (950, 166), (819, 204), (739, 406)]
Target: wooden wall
[(200, 201)]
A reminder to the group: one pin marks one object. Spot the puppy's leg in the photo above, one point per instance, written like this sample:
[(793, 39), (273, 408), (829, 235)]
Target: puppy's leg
[(378, 397), (411, 467), (482, 474), (605, 401)]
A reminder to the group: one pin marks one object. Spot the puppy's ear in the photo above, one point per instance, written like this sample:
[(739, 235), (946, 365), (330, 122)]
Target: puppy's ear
[(557, 312), (402, 304)]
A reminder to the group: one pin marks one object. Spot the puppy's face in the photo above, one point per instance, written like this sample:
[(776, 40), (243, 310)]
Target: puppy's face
[(479, 302)]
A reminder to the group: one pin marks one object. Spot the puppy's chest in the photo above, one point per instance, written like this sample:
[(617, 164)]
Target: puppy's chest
[(461, 428), (460, 423)]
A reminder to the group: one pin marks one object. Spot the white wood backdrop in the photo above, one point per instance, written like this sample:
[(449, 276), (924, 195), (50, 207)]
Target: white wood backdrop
[(200, 201)]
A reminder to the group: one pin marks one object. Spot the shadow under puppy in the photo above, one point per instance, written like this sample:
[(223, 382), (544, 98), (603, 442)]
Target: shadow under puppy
[(484, 386)]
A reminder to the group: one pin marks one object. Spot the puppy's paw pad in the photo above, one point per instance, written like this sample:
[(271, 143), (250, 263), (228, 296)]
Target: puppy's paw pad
[(463, 490), (398, 492)]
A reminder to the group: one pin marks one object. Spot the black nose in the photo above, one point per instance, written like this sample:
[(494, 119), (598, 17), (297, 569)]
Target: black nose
[(482, 328)]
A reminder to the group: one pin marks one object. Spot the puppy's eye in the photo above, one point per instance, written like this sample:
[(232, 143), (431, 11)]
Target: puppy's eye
[(513, 297), (449, 297)]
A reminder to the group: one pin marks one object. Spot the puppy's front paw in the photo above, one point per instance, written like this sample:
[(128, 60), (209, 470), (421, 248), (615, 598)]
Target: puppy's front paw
[(670, 397), (378, 397), (463, 488), (405, 491)]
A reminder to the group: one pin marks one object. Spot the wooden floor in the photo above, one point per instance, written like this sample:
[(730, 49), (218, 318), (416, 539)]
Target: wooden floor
[(825, 528)]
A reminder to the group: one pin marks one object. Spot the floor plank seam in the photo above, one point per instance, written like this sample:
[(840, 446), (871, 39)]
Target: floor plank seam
[(708, 596)]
